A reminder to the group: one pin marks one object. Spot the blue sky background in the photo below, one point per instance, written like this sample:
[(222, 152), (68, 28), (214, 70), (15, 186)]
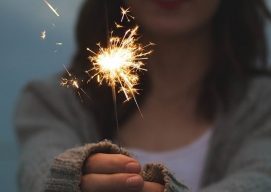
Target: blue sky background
[(24, 56)]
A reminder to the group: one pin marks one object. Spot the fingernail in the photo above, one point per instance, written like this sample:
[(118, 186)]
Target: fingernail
[(133, 167), (134, 182)]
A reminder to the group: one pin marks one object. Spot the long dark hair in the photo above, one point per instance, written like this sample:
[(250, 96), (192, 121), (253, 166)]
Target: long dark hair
[(241, 53)]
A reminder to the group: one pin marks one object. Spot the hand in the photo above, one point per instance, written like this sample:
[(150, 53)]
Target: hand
[(115, 173), (111, 173), (152, 187)]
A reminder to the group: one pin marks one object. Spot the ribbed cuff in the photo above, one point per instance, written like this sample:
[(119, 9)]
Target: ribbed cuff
[(159, 173), (66, 171)]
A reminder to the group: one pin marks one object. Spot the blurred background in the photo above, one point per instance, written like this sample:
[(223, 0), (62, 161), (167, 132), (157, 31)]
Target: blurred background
[(25, 56)]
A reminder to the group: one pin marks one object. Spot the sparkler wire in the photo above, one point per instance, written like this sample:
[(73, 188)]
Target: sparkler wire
[(113, 87)]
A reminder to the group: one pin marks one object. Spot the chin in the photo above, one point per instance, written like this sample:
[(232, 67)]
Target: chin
[(174, 17), (173, 30)]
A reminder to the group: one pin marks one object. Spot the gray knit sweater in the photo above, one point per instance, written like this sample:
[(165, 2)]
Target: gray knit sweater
[(54, 128)]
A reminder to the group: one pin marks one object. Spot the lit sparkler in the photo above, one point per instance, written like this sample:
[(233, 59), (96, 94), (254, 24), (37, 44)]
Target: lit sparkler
[(126, 14), (119, 63), (51, 7)]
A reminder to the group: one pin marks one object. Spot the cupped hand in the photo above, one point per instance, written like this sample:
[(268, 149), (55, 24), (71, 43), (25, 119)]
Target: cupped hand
[(115, 173), (111, 173), (152, 187)]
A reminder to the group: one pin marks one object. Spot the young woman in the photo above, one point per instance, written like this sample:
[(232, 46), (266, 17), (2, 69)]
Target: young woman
[(206, 101)]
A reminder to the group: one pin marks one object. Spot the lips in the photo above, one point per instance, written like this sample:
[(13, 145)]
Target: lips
[(169, 4)]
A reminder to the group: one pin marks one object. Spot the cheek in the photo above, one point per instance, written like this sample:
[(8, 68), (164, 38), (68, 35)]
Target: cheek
[(187, 17)]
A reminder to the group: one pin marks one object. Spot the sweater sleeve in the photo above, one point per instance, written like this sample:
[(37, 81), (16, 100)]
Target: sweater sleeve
[(48, 121), (249, 169), (66, 171)]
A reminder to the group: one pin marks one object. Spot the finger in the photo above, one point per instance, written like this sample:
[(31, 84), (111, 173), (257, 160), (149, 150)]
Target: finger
[(111, 163), (152, 187), (118, 182)]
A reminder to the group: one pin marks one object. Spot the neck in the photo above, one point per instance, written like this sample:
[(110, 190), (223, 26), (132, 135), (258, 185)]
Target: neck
[(177, 67)]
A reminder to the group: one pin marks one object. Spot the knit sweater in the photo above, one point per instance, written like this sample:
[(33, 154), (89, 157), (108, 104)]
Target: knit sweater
[(53, 128)]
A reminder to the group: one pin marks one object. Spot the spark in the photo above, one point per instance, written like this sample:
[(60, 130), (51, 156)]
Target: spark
[(43, 35), (72, 82), (126, 14), (51, 7), (59, 43), (118, 26), (119, 63)]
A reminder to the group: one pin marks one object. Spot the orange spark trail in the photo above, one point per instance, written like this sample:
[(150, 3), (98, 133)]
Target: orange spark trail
[(126, 14), (51, 7)]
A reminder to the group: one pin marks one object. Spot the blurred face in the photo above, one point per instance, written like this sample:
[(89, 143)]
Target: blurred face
[(173, 17)]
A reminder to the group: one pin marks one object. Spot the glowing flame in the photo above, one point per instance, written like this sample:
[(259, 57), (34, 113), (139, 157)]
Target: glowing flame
[(119, 63)]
